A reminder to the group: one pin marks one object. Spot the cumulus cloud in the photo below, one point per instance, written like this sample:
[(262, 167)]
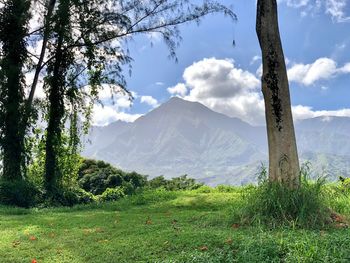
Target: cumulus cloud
[(345, 69), (305, 112), (308, 74), (321, 69), (112, 106), (149, 100), (221, 73), (221, 86), (178, 89), (104, 115)]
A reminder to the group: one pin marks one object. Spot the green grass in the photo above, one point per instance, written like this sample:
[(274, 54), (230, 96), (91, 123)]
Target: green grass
[(163, 227)]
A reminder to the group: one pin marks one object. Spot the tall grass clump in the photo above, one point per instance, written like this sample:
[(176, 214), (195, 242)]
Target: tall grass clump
[(275, 205)]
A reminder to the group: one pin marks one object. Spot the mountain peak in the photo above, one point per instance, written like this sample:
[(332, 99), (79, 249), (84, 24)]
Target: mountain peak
[(178, 101), (180, 105)]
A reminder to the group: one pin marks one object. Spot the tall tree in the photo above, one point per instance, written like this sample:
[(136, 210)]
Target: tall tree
[(88, 50), (57, 70), (283, 156), (14, 18)]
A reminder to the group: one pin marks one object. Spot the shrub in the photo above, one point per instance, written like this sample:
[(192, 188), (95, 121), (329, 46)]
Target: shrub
[(204, 189), (274, 204), (344, 184), (157, 182), (19, 193), (226, 188), (182, 183), (174, 184), (71, 196), (96, 176), (112, 194)]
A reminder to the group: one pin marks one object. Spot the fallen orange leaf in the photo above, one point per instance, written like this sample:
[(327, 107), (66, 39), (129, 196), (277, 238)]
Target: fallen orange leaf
[(148, 221), (99, 230), (32, 238), (235, 226), (16, 243), (203, 248), (229, 241)]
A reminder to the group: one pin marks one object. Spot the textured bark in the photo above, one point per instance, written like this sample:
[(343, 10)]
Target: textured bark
[(283, 156)]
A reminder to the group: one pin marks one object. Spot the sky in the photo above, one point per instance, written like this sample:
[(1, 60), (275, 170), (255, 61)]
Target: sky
[(226, 78)]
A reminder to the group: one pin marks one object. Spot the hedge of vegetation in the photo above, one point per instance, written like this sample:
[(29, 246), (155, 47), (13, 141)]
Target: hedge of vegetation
[(96, 181)]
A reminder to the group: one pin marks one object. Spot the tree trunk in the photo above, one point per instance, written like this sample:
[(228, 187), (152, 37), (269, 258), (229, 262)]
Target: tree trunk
[(46, 34), (56, 83), (13, 32), (283, 155)]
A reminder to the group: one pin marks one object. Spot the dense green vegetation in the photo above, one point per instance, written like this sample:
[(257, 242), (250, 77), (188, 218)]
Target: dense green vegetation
[(118, 216), (95, 181), (201, 225), (72, 58)]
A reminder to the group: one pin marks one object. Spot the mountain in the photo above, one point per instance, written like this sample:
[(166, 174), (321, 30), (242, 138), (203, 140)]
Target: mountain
[(182, 137)]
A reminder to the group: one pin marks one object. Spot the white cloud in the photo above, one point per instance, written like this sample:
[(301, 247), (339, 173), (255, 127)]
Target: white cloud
[(228, 80), (345, 69), (123, 101), (149, 100), (308, 74), (296, 3), (104, 115), (305, 112), (321, 69), (115, 104), (336, 9), (255, 59), (178, 89), (222, 87), (259, 71)]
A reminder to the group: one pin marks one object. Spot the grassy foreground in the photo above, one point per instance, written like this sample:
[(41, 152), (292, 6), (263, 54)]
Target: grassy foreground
[(162, 226)]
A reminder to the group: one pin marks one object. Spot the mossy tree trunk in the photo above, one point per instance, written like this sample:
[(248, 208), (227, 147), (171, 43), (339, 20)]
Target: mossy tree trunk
[(13, 31), (56, 83), (283, 156)]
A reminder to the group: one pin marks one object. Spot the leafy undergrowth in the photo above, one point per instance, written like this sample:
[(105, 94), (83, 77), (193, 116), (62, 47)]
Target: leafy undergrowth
[(160, 226)]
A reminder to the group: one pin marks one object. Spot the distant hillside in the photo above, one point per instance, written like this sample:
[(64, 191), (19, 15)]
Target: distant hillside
[(182, 137)]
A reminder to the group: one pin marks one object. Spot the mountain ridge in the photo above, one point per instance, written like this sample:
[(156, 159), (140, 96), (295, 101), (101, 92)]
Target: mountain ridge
[(183, 137)]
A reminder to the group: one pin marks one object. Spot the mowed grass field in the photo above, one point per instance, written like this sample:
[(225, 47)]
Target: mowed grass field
[(161, 226)]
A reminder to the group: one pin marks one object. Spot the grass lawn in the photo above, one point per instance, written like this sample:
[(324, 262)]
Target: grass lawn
[(161, 227)]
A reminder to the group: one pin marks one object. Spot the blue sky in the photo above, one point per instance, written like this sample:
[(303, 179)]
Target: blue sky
[(316, 41)]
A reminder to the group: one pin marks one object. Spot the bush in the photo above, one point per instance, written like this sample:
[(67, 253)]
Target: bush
[(174, 184), (226, 188), (274, 204), (204, 189), (20, 193), (96, 176), (112, 194), (344, 184), (71, 197)]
